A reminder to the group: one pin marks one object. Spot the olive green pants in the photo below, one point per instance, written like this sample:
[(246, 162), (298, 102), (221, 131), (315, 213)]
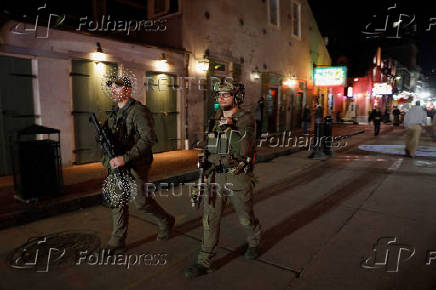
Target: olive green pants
[(241, 196), (144, 202), (413, 133)]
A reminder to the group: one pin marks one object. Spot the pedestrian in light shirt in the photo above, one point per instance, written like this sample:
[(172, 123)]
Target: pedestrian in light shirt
[(415, 118)]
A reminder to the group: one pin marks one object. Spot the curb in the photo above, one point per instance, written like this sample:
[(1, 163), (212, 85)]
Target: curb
[(35, 213)]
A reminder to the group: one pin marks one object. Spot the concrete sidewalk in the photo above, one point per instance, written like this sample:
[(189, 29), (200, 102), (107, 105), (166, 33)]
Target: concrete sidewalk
[(83, 182), (318, 218)]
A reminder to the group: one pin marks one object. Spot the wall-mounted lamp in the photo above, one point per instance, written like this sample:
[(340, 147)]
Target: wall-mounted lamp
[(98, 55), (163, 58), (162, 63), (290, 82), (202, 65), (255, 74)]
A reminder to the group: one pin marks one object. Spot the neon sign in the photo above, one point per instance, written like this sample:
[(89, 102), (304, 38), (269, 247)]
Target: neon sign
[(332, 76)]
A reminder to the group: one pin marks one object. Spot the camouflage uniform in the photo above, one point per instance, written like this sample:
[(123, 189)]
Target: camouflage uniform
[(227, 147), (131, 130)]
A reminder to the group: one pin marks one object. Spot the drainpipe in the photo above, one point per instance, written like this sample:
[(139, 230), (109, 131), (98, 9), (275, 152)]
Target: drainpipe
[(186, 64)]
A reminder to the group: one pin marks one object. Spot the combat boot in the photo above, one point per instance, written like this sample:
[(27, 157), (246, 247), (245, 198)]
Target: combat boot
[(115, 246), (251, 253), (196, 270), (163, 233)]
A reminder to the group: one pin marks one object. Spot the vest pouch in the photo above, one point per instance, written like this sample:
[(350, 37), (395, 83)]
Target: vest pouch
[(223, 144), (212, 143)]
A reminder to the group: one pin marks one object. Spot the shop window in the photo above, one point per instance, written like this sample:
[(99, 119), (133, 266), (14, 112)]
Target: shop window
[(273, 12), (296, 19)]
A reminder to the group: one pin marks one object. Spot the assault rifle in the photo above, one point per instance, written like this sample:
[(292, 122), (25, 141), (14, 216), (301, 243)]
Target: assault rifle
[(121, 173)]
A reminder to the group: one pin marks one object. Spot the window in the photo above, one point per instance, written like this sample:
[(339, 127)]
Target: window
[(158, 8), (273, 12), (219, 66), (296, 19)]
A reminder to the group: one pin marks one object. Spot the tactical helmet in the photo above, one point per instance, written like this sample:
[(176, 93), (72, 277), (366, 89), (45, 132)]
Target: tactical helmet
[(237, 90)]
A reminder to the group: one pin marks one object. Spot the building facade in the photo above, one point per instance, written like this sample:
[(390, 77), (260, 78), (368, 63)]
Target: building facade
[(271, 46), (54, 75)]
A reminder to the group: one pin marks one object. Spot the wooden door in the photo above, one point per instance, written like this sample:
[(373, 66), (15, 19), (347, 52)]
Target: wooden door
[(88, 97), (162, 102), (271, 102), (16, 104)]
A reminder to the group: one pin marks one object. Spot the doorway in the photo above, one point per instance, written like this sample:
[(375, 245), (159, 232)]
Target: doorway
[(271, 107), (297, 110), (162, 102), (88, 97), (16, 104)]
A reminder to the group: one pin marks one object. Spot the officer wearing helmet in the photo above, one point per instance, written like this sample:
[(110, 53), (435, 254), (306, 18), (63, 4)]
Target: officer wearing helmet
[(231, 142)]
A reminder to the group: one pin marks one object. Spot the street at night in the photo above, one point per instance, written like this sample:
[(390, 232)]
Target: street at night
[(217, 144), (321, 220)]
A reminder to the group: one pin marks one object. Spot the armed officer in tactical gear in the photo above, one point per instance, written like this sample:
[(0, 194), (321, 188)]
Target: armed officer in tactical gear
[(130, 127), (230, 148)]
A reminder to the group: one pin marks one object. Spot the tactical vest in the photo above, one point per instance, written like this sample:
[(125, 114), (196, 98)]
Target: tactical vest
[(118, 130), (223, 144)]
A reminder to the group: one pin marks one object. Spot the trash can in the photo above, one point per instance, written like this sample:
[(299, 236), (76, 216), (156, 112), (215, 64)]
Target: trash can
[(37, 165), (328, 139)]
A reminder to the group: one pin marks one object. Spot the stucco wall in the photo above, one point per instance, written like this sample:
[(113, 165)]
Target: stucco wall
[(256, 41), (53, 57)]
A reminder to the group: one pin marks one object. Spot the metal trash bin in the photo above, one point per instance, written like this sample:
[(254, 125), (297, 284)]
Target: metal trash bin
[(37, 165)]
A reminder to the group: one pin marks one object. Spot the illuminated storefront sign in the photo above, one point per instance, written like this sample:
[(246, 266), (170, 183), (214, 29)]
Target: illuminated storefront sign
[(382, 89), (332, 76)]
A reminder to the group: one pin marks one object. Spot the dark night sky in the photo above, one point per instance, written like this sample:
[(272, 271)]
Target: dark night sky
[(343, 23)]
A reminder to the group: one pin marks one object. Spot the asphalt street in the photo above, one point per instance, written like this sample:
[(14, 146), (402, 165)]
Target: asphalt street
[(359, 220)]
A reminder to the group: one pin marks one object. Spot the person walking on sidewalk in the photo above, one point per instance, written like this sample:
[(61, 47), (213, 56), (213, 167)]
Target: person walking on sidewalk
[(306, 118), (414, 119), (396, 112), (259, 116), (319, 112), (232, 142), (376, 117), (130, 126)]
